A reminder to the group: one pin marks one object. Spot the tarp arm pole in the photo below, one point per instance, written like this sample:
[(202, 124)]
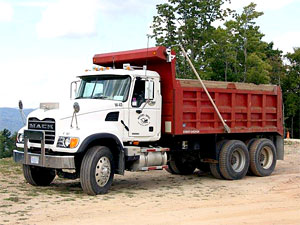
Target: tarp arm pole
[(226, 127)]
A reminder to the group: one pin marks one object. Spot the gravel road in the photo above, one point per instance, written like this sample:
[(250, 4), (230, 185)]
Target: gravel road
[(157, 197)]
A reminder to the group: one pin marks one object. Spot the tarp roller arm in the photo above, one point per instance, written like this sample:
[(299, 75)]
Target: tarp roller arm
[(226, 127)]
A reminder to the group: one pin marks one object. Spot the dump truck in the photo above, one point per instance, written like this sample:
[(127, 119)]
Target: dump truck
[(131, 113)]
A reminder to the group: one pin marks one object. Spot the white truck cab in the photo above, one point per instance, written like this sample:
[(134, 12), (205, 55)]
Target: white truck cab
[(117, 106), (122, 102)]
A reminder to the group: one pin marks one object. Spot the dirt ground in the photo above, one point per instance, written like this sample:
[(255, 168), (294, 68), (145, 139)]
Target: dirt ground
[(157, 197)]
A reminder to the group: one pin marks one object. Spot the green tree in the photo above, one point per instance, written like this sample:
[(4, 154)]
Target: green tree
[(221, 55), (247, 39), (237, 52), (189, 22), (7, 143), (291, 92), (258, 70), (274, 59)]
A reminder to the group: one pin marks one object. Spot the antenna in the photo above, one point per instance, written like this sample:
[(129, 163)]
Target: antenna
[(148, 37)]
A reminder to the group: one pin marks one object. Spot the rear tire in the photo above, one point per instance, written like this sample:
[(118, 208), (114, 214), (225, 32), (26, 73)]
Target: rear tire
[(215, 170), (38, 176), (215, 167), (234, 160), (181, 165), (204, 167), (249, 143), (97, 170), (262, 157)]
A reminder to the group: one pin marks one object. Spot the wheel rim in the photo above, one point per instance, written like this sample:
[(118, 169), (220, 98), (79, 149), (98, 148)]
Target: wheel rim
[(103, 171), (266, 157), (238, 160)]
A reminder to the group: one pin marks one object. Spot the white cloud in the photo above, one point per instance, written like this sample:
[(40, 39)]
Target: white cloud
[(39, 79), (76, 18), (128, 6), (262, 5), (6, 12), (287, 41), (33, 4), (67, 18)]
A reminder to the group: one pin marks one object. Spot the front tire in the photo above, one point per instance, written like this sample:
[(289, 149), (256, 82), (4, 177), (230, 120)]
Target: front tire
[(97, 170), (38, 176)]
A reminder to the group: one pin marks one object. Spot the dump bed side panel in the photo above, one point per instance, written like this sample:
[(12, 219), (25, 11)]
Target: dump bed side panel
[(246, 108)]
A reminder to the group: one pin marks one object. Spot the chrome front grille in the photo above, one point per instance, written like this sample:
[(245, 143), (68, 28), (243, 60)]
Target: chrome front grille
[(47, 125)]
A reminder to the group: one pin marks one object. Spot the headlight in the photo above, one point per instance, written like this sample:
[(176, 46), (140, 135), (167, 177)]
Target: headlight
[(67, 142), (20, 138)]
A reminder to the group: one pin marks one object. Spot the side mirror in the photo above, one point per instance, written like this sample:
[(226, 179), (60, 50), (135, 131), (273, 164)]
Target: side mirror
[(20, 105), (22, 113), (73, 89), (149, 90)]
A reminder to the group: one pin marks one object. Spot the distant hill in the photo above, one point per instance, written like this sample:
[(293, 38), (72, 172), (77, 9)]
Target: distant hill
[(10, 119)]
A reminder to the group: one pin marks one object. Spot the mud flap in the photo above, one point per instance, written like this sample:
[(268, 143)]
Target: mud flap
[(279, 144), (121, 163)]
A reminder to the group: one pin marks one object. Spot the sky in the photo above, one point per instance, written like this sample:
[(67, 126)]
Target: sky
[(45, 44)]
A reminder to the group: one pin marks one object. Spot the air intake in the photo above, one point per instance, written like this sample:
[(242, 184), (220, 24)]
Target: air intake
[(112, 116)]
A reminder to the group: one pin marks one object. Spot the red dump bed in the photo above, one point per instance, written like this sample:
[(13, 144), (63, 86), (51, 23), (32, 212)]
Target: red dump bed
[(246, 108)]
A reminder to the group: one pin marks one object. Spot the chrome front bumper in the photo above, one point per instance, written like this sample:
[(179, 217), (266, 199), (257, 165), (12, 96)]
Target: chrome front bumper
[(42, 160), (50, 161)]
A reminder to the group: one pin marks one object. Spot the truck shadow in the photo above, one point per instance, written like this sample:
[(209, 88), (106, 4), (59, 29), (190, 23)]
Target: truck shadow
[(138, 181)]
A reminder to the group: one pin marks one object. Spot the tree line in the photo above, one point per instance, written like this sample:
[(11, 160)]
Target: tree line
[(233, 51), (7, 143)]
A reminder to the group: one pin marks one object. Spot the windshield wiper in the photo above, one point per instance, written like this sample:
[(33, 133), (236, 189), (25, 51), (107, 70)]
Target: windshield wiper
[(100, 97)]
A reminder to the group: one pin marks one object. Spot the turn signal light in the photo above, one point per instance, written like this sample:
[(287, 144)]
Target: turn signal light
[(74, 142)]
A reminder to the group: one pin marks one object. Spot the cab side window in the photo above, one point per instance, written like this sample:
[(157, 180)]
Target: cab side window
[(138, 97)]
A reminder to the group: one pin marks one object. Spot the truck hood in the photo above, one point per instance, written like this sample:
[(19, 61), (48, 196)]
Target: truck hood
[(65, 109)]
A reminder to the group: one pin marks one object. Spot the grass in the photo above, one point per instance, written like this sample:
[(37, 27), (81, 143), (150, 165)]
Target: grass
[(4, 206), (13, 199), (9, 167)]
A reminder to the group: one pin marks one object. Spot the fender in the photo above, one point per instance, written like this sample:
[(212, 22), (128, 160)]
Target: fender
[(120, 167), (98, 136)]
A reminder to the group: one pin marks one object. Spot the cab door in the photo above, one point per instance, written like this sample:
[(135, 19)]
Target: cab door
[(143, 109)]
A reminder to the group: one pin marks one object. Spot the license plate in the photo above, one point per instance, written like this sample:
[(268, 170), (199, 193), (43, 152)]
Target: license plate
[(34, 159)]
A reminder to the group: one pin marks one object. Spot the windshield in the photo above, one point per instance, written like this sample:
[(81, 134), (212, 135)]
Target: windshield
[(112, 87)]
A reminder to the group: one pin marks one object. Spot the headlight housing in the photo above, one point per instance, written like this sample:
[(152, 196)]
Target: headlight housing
[(67, 142), (20, 138)]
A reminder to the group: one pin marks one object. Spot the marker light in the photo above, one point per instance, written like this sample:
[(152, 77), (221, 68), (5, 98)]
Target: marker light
[(127, 66), (101, 68), (136, 143)]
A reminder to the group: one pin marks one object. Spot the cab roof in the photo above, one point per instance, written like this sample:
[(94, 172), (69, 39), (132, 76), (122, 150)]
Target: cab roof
[(121, 72)]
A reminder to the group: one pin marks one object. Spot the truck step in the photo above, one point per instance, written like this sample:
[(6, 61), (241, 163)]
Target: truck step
[(154, 168), (155, 149)]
